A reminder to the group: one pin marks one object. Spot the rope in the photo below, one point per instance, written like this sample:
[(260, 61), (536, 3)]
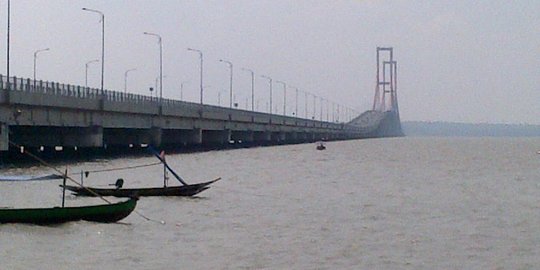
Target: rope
[(77, 183), (149, 219), (59, 172), (123, 168)]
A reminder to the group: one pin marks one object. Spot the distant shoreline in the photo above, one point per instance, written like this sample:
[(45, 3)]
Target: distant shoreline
[(450, 129)]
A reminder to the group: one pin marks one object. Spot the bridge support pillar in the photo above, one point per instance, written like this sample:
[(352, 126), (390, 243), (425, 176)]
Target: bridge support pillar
[(156, 134), (326, 136), (84, 137), (301, 136), (262, 136), (278, 136), (319, 136), (194, 136), (291, 136), (216, 137), (242, 136), (182, 136), (4, 137)]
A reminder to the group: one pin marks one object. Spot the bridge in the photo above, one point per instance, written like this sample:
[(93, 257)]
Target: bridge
[(43, 115)]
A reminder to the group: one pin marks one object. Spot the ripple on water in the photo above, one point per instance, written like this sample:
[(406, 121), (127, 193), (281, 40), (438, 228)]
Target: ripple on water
[(405, 203)]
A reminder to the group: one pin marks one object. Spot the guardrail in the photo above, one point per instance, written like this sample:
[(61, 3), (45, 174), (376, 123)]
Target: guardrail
[(77, 91)]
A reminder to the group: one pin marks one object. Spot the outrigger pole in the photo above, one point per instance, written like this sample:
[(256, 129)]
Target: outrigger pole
[(165, 176), (167, 165), (64, 188)]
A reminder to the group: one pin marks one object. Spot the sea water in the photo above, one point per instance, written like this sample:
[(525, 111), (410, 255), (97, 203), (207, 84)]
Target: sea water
[(400, 203)]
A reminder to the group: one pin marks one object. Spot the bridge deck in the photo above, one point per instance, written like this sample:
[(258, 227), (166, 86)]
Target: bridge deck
[(37, 113)]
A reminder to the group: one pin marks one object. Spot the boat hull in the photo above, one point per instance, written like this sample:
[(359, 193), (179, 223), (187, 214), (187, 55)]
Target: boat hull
[(187, 190), (106, 213)]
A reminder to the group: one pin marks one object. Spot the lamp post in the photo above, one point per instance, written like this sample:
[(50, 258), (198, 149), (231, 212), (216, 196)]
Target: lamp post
[(229, 63), (7, 54), (160, 64), (296, 102), (201, 68), (321, 102), (270, 80), (102, 43), (314, 106), (158, 79), (125, 78), (35, 60), (327, 111), (333, 112), (252, 88), (306, 105), (182, 89), (284, 97), (86, 71), (338, 114)]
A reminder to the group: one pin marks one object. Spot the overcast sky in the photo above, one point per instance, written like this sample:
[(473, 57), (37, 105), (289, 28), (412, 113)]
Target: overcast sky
[(461, 61)]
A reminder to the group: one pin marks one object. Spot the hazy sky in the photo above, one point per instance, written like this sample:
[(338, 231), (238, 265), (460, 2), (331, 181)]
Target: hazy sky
[(462, 61)]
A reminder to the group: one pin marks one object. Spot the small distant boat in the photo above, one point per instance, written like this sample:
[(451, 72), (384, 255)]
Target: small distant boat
[(106, 213), (186, 190), (321, 146)]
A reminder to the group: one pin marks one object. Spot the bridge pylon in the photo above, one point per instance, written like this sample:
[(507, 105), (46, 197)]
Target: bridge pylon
[(386, 82)]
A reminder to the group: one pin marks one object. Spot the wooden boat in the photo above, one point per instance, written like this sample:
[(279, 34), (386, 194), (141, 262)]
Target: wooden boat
[(106, 213), (185, 190)]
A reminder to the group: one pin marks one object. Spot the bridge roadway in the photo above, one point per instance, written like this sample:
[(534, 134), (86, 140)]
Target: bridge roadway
[(49, 114)]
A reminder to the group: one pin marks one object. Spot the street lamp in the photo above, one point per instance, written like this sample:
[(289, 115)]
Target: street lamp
[(314, 106), (296, 101), (125, 78), (7, 60), (270, 80), (35, 57), (321, 102), (284, 96), (86, 71), (229, 63), (306, 100), (201, 69), (337, 113), (160, 64), (333, 112), (327, 110), (102, 43), (182, 89), (156, 83), (252, 87)]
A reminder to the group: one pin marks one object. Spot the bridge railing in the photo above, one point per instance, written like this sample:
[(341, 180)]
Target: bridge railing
[(68, 90), (46, 87), (77, 91)]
